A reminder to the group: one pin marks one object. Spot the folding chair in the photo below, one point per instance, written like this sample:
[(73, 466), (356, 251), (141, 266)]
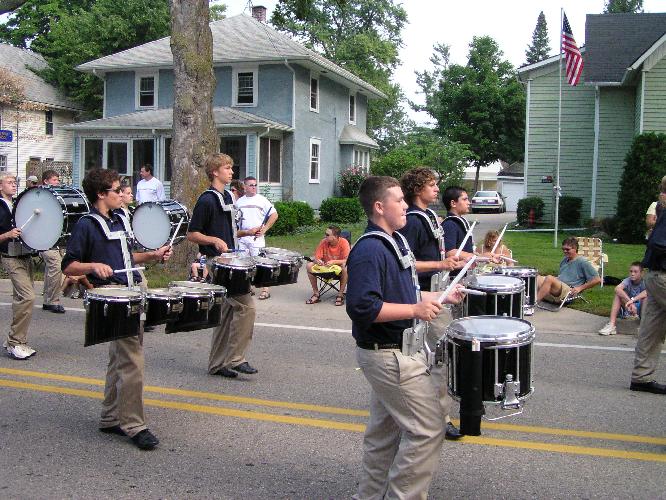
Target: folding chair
[(327, 282), (592, 250)]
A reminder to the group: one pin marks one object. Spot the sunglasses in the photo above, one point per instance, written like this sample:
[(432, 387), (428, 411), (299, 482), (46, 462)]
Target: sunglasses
[(118, 190), (251, 185)]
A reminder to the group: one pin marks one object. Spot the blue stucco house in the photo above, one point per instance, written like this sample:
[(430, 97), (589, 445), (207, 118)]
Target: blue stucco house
[(287, 115)]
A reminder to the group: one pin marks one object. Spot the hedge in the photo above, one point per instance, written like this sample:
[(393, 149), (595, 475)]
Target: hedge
[(524, 207), (344, 210)]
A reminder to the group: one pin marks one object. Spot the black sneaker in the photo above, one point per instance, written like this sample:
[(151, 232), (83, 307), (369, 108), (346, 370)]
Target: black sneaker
[(145, 440)]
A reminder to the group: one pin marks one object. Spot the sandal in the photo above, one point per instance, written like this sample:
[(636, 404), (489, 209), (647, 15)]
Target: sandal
[(340, 300), (314, 299), (265, 294)]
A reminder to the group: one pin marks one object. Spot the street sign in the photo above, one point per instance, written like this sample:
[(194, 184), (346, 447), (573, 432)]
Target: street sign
[(6, 136)]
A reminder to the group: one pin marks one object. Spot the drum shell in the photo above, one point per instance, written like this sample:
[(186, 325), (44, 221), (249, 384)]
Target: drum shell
[(194, 316), (266, 273), (236, 279), (529, 277), (111, 318), (161, 309), (496, 302), (289, 267), (216, 292)]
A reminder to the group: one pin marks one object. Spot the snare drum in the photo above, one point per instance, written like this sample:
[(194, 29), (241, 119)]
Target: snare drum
[(234, 273), (267, 272), (506, 353), (194, 316), (111, 314), (59, 207), (155, 222), (529, 277), (217, 294), (290, 263), (504, 296), (162, 305)]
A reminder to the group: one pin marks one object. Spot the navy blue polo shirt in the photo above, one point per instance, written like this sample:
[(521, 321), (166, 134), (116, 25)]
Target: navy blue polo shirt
[(375, 277), (208, 218), (454, 234), (88, 243), (5, 223), (423, 244)]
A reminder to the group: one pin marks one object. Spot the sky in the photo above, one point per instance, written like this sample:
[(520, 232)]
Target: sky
[(455, 22)]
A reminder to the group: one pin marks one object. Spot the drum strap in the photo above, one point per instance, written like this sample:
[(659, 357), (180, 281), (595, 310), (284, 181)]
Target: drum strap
[(235, 213), (429, 219), (123, 236)]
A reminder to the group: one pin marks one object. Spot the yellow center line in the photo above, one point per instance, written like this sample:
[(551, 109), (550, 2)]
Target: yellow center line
[(211, 396), (329, 424)]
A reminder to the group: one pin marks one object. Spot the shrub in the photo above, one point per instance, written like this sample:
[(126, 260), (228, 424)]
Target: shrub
[(304, 212), (570, 207), (345, 210), (524, 207), (287, 218), (350, 180), (643, 170)]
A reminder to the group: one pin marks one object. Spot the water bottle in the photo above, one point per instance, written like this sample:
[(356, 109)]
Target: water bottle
[(202, 265)]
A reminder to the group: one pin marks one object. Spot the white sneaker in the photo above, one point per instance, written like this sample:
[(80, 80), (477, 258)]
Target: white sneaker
[(608, 330), (21, 351)]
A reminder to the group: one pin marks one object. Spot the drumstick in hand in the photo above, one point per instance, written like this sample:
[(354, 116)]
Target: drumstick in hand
[(467, 236), (180, 222), (264, 221), (128, 270), (36, 211), (455, 281)]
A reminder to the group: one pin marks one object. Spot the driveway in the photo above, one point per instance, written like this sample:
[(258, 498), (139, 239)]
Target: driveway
[(486, 222)]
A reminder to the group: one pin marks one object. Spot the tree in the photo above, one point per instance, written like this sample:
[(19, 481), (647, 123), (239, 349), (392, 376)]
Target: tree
[(362, 36), (481, 105), (10, 5), (620, 6), (428, 81), (538, 50)]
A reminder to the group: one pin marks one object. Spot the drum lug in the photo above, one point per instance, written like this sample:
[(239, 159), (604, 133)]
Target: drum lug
[(510, 390), (86, 304), (129, 309), (198, 305), (106, 308)]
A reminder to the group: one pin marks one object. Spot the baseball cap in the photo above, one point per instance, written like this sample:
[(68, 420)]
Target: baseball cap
[(33, 178)]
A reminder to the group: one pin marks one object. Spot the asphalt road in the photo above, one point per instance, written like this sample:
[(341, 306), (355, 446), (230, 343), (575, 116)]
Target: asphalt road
[(295, 429)]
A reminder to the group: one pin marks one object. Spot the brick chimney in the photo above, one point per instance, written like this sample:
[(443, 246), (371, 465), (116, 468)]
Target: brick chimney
[(259, 13)]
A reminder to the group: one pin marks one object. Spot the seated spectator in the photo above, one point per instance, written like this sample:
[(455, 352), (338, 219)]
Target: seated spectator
[(330, 256), (630, 295), (199, 270), (74, 287), (501, 251), (576, 275)]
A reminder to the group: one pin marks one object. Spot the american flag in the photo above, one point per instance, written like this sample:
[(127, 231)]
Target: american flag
[(571, 53)]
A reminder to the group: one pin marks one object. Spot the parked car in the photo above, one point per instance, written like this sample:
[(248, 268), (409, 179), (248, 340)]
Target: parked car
[(488, 200)]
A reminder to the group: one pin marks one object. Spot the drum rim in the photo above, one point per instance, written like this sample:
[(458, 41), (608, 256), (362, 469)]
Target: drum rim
[(193, 292), (234, 265), (107, 293), (162, 293), (505, 271), (522, 338), (274, 264), (516, 287), (197, 285)]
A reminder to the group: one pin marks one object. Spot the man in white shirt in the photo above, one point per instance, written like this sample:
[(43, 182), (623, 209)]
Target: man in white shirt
[(149, 188), (254, 208)]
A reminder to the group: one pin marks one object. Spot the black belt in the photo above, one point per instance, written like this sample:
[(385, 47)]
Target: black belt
[(373, 346), (24, 256)]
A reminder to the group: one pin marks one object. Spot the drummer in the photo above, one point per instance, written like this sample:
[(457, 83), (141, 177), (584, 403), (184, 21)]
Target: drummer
[(52, 259), (213, 228), (19, 269), (89, 252), (423, 234)]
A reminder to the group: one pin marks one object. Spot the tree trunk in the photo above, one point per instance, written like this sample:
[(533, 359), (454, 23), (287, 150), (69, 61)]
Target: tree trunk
[(194, 133), (476, 179)]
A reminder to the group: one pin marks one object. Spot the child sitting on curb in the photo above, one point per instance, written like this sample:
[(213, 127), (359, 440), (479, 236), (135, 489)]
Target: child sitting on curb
[(629, 297)]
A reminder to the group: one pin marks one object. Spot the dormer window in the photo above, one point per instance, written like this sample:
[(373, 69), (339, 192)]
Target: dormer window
[(352, 109), (146, 91), (314, 94), (245, 87)]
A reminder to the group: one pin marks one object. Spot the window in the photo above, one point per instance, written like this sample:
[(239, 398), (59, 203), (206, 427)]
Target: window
[(116, 157), (352, 109), (48, 116), (142, 152), (3, 163), (146, 91), (315, 157), (269, 160), (314, 94), (92, 153), (245, 87)]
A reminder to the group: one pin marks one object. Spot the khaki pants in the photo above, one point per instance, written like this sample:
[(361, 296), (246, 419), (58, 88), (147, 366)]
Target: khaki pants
[(652, 330), (232, 336), (405, 432), (20, 271), (439, 373), (52, 276)]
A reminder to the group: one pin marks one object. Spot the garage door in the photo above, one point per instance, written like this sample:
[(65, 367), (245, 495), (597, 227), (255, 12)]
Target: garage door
[(513, 191)]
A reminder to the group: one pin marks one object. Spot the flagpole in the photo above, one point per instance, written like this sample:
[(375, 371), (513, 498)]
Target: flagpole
[(559, 137)]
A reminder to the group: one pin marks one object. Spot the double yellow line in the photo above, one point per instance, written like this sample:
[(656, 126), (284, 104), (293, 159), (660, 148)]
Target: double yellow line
[(324, 423)]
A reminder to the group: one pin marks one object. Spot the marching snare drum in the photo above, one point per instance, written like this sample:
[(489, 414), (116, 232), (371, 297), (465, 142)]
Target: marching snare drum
[(155, 222), (504, 296), (217, 294), (162, 305), (290, 263), (506, 354), (194, 316), (529, 277), (47, 215), (111, 314), (234, 273), (267, 272)]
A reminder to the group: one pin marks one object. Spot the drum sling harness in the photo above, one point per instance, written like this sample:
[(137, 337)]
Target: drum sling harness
[(234, 212), (439, 280), (123, 236), (413, 338)]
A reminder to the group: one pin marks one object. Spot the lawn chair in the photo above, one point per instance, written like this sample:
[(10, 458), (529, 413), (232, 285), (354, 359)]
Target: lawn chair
[(327, 282), (592, 250)]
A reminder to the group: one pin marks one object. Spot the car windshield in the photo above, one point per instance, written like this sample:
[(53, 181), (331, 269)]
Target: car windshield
[(485, 194)]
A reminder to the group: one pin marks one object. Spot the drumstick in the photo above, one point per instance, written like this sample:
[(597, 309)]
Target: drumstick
[(128, 270), (499, 238), (471, 291), (180, 222), (265, 220), (467, 236), (36, 211), (455, 281)]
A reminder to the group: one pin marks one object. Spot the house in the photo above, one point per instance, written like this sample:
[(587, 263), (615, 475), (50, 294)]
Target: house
[(622, 93), (38, 117), (511, 183), (285, 114)]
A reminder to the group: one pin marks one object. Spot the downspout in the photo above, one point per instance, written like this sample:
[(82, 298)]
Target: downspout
[(595, 154), (293, 127), (527, 136), (640, 127)]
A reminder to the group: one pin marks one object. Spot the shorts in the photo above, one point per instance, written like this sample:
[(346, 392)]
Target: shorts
[(560, 298)]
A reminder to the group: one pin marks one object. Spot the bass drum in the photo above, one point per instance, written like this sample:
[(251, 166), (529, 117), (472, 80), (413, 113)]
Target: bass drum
[(155, 222), (47, 215)]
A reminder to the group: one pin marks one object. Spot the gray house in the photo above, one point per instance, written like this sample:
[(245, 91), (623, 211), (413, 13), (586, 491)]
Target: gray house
[(287, 115)]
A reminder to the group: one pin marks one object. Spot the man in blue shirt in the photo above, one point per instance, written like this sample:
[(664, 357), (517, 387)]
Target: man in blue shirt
[(405, 432), (90, 252), (456, 201)]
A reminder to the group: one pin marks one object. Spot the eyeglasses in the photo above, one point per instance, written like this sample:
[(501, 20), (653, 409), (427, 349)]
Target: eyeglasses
[(566, 249), (117, 190), (251, 185)]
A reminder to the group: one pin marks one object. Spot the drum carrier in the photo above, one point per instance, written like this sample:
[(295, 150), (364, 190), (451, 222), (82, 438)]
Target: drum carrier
[(440, 279)]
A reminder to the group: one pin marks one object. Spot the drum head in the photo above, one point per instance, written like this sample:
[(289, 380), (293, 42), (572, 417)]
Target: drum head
[(496, 283), (113, 293), (266, 261), (272, 251), (197, 285), (517, 271), (187, 291), (491, 329), (234, 262), (162, 293), (151, 225), (43, 231)]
